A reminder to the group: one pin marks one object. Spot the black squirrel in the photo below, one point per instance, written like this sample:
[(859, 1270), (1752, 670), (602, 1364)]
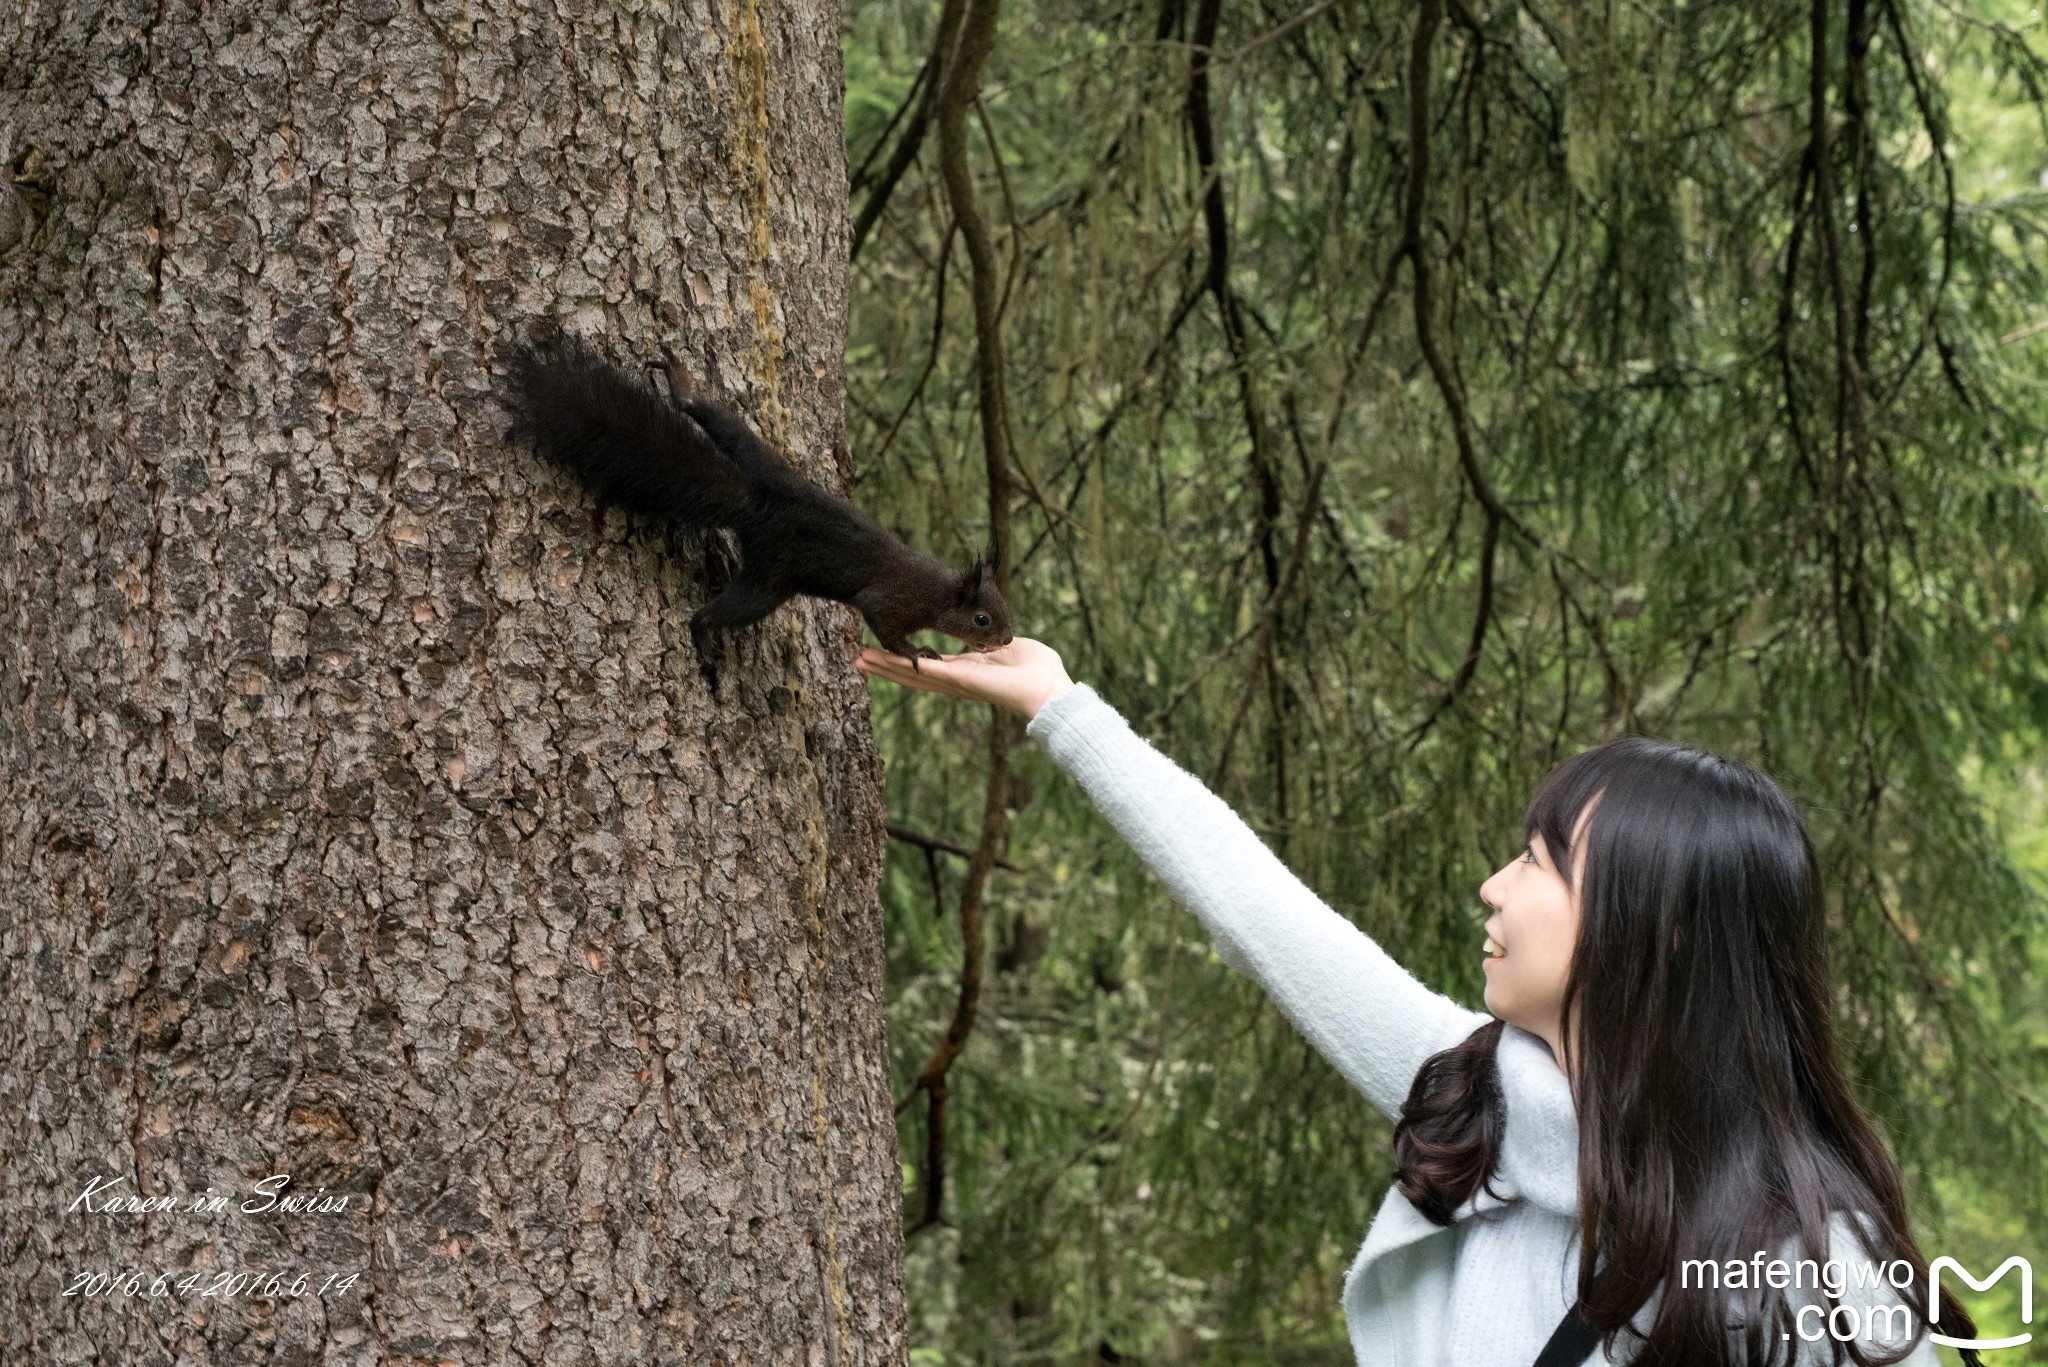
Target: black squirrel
[(695, 462)]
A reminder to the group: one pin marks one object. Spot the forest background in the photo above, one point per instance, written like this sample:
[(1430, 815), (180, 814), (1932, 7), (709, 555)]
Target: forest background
[(1384, 402)]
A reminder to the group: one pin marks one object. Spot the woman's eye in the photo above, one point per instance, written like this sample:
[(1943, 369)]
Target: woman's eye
[(1529, 852)]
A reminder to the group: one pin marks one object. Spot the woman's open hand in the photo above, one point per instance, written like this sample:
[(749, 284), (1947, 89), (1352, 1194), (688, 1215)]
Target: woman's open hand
[(1022, 676)]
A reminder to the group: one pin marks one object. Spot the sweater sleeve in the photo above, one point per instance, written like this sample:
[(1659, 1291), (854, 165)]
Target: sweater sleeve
[(1362, 1011)]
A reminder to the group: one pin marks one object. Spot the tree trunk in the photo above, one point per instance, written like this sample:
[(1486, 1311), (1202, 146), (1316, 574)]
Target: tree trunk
[(364, 814)]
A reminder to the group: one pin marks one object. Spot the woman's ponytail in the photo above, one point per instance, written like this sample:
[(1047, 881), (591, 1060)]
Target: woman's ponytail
[(1447, 1140)]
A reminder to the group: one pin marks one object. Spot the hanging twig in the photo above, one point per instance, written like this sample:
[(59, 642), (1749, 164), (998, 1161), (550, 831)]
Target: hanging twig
[(1420, 64), (941, 845), (940, 60), (962, 84)]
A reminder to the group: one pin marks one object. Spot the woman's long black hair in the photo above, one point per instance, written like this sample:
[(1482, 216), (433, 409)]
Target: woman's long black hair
[(1714, 1117)]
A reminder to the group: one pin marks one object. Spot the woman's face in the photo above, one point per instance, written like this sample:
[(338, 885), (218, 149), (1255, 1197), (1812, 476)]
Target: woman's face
[(1532, 930)]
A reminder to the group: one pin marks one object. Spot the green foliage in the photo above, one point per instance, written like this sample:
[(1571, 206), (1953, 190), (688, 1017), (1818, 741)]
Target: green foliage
[(1749, 467)]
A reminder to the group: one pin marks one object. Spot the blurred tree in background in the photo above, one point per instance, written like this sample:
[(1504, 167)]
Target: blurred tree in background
[(1380, 403)]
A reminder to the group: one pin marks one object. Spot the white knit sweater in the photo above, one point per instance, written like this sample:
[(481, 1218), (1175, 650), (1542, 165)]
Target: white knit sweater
[(1488, 1290)]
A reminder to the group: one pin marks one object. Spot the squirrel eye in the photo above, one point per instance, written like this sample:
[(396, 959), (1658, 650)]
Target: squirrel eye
[(981, 619)]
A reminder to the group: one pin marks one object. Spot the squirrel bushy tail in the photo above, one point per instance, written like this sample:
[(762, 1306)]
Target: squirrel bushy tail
[(626, 441)]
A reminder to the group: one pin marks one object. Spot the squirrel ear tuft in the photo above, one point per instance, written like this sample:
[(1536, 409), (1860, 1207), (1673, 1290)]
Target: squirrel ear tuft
[(970, 582)]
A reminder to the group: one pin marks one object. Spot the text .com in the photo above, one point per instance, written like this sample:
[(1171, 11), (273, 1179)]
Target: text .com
[(1836, 1275)]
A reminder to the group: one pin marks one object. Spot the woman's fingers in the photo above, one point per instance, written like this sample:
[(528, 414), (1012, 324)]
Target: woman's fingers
[(968, 675), (1020, 675), (933, 676)]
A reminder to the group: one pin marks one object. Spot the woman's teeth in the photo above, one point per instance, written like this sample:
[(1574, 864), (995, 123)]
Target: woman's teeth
[(1493, 951)]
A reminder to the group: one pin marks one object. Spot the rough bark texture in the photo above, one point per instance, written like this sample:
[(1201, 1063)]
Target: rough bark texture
[(364, 813)]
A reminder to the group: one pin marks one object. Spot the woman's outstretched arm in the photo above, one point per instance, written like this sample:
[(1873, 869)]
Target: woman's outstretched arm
[(1360, 1009), (1347, 996)]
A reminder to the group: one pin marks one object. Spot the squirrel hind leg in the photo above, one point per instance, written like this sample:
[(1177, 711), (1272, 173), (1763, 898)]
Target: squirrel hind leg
[(742, 602)]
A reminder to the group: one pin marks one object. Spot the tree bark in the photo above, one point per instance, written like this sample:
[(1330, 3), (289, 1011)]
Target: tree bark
[(364, 813)]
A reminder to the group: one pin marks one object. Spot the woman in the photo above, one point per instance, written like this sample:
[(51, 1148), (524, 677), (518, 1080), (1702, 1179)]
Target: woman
[(1661, 933)]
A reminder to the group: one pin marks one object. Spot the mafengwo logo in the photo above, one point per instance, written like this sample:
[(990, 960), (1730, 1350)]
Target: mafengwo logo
[(2026, 1300)]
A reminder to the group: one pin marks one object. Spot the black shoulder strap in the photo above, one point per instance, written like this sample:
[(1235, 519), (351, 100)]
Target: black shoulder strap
[(1571, 1343)]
